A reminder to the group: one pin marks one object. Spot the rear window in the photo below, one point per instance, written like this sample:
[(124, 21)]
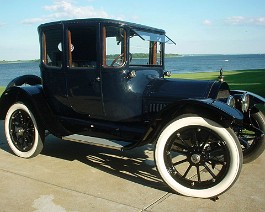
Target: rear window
[(52, 48)]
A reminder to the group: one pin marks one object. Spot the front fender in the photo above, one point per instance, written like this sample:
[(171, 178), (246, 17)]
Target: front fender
[(208, 108), (34, 98)]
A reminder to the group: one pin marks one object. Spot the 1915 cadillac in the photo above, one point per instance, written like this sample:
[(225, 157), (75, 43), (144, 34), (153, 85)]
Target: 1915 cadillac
[(103, 83)]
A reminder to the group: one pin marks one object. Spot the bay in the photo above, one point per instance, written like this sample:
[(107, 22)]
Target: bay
[(211, 63), (181, 64)]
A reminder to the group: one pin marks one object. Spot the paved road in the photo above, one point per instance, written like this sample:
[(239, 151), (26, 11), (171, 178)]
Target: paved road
[(76, 177)]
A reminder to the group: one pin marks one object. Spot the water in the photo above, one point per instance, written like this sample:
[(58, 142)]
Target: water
[(12, 70), (183, 64), (211, 63)]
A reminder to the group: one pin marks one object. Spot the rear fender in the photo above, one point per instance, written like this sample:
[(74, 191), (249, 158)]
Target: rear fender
[(207, 108), (34, 98), (25, 79)]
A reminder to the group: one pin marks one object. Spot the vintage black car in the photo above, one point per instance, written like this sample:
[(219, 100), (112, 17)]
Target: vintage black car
[(103, 83)]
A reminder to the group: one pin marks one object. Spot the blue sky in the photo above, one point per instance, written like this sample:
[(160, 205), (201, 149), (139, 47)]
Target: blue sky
[(197, 26)]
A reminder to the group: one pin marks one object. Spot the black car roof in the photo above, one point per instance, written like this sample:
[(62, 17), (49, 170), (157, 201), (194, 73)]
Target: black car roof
[(104, 21)]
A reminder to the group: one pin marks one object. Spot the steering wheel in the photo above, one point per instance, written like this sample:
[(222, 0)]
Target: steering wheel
[(116, 59)]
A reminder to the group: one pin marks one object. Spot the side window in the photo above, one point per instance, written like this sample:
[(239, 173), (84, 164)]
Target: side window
[(82, 43), (114, 44), (52, 48)]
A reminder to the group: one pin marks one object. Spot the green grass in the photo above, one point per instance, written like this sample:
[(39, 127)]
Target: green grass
[(2, 90), (249, 80)]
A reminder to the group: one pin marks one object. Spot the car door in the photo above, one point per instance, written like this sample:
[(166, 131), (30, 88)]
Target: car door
[(52, 68), (83, 72)]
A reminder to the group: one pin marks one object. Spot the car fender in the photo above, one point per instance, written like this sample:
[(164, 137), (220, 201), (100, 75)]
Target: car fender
[(207, 108), (34, 98)]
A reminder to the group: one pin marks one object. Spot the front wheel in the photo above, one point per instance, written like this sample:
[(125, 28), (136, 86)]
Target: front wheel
[(24, 136), (198, 157), (251, 137)]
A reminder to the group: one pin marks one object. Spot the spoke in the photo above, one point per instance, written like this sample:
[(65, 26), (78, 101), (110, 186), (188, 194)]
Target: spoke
[(22, 118), (180, 145), (216, 168), (187, 171), (16, 120), (206, 140), (218, 151), (198, 173), (180, 162), (184, 142), (217, 161), (28, 140), (244, 142), (181, 152), (20, 141), (194, 137), (28, 123), (210, 171)]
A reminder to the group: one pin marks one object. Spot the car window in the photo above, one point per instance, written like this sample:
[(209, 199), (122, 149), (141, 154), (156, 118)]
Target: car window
[(51, 44), (82, 47), (114, 46)]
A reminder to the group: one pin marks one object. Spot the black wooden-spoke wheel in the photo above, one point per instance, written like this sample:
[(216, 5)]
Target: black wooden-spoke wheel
[(198, 157), (22, 130), (24, 136), (251, 137)]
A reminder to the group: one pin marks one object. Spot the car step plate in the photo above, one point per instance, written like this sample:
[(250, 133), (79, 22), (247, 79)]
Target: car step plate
[(112, 144)]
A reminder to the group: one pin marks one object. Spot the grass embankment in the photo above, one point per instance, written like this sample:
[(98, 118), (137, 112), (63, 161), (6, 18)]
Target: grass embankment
[(2, 90), (249, 80)]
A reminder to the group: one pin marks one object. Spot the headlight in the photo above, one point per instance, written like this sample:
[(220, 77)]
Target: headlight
[(245, 102), (239, 101), (231, 101)]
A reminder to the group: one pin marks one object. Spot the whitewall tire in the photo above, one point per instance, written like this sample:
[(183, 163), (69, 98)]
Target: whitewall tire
[(24, 136), (198, 157)]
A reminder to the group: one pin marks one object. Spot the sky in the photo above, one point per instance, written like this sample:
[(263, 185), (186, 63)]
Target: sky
[(197, 26)]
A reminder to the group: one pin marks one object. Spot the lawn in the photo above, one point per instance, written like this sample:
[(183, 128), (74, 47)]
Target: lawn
[(249, 80), (2, 90)]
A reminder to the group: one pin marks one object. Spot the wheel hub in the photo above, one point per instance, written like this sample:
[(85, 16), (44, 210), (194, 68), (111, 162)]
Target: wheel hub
[(195, 158), (20, 131)]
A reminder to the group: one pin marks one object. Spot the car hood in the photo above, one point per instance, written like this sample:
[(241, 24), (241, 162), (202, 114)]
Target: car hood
[(175, 89)]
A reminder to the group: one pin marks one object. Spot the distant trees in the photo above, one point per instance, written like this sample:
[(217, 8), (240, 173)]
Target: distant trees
[(140, 55)]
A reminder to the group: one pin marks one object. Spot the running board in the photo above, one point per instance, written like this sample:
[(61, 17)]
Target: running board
[(111, 144)]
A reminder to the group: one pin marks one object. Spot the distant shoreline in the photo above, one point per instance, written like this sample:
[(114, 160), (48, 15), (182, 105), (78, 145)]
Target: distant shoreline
[(139, 56), (18, 61)]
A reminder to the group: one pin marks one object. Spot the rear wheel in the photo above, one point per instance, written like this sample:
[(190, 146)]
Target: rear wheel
[(24, 136), (198, 157)]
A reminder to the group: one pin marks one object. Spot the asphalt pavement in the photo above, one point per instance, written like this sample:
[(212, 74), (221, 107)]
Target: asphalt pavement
[(69, 176)]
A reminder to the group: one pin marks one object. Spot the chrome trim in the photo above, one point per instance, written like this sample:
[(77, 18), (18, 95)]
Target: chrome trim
[(231, 101), (244, 102)]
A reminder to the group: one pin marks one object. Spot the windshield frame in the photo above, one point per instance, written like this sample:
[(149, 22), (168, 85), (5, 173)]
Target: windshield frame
[(154, 47), (156, 37)]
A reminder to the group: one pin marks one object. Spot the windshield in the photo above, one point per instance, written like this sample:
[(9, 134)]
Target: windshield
[(146, 48), (149, 36)]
